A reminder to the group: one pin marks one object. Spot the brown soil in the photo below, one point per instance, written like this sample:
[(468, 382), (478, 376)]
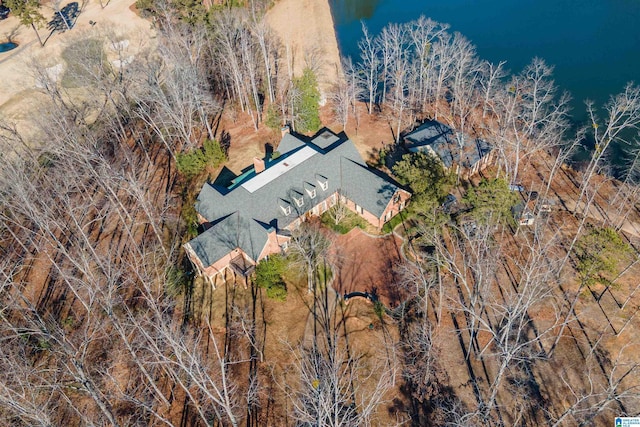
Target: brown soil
[(364, 263)]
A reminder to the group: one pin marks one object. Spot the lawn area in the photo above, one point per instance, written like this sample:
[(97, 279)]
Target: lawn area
[(346, 224), (404, 215)]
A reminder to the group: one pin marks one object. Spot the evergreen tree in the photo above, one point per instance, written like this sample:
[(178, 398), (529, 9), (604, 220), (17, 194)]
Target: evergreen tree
[(425, 175), (306, 113), (491, 201)]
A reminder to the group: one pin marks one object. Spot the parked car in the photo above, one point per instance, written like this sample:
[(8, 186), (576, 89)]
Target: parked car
[(516, 187), (4, 11), (533, 195)]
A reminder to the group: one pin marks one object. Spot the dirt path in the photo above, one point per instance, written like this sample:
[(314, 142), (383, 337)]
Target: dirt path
[(306, 28)]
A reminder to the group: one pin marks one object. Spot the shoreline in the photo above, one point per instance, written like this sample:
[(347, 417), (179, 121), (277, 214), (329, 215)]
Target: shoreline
[(307, 30)]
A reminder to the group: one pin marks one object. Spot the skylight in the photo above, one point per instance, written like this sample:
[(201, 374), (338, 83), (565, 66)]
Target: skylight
[(278, 169)]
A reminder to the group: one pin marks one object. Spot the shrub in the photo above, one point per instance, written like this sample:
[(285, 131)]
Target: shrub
[(213, 153), (378, 309), (273, 119), (269, 276), (190, 218), (194, 162), (390, 225)]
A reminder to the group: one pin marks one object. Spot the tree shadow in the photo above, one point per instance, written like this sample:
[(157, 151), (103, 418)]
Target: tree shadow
[(225, 141), (64, 19)]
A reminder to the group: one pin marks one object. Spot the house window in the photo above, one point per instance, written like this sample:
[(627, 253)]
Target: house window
[(286, 209), (359, 209), (311, 193)]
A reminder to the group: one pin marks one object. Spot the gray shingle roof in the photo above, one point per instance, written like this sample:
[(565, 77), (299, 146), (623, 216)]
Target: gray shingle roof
[(366, 188), (243, 214), (227, 234), (446, 144), (289, 143)]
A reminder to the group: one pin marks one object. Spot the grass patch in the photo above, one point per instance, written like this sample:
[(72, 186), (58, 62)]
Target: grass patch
[(86, 63), (390, 225), (324, 274), (348, 223)]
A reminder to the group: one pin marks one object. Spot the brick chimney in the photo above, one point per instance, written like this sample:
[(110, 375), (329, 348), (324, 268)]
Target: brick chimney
[(285, 130), (258, 164)]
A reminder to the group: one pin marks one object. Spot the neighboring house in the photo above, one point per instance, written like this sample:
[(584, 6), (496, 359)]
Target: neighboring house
[(253, 217), (523, 214), (466, 155)]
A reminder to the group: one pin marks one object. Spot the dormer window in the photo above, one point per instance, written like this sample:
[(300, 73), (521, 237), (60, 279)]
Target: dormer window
[(311, 193), (286, 209), (323, 181), (299, 200)]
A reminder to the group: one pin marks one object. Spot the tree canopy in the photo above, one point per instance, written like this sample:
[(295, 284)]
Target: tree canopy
[(28, 11), (307, 117), (269, 276), (599, 251), (193, 162), (425, 175), (491, 201)]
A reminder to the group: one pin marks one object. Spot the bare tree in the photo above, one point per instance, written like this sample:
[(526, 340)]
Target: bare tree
[(603, 394), (622, 118), (336, 389), (369, 66), (310, 247), (531, 117), (490, 78)]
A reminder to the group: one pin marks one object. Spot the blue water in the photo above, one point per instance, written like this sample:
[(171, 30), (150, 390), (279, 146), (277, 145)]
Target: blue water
[(594, 44), (5, 47)]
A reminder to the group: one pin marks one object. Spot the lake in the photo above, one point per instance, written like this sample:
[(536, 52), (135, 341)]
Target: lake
[(593, 44)]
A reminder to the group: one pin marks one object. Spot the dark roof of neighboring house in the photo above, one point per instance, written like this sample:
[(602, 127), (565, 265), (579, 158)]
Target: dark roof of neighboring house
[(446, 144), (243, 214)]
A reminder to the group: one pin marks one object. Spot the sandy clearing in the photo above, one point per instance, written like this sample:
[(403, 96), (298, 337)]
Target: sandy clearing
[(306, 27), (19, 93)]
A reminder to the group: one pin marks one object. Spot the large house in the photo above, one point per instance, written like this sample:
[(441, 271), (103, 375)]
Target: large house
[(458, 151), (254, 215)]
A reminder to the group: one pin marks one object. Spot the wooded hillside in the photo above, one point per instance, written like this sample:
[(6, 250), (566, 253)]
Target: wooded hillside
[(469, 317)]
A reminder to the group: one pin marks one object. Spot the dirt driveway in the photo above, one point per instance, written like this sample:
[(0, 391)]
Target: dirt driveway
[(367, 264)]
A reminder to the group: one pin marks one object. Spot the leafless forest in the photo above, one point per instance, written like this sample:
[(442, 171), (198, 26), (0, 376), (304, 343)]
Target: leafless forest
[(102, 322)]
